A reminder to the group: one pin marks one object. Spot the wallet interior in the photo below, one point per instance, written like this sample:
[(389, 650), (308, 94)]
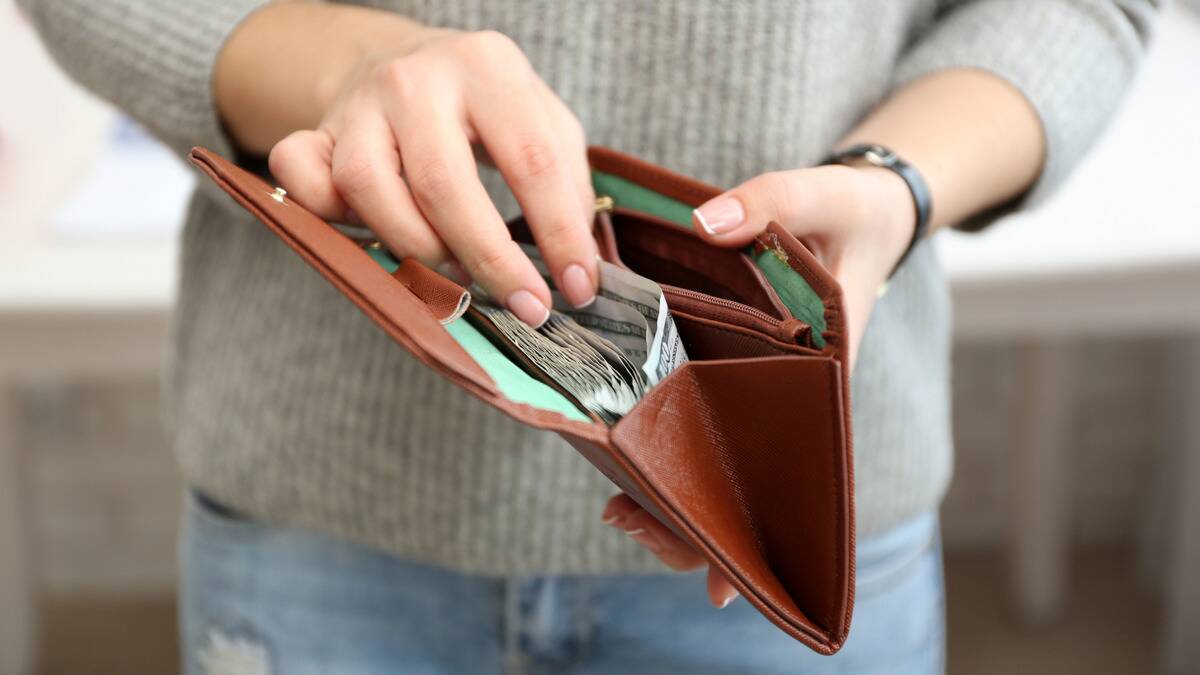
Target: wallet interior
[(796, 293), (702, 294)]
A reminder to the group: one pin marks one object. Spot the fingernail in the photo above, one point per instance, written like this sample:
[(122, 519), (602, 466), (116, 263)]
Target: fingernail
[(611, 514), (645, 539), (720, 215), (527, 307), (577, 286), (727, 600)]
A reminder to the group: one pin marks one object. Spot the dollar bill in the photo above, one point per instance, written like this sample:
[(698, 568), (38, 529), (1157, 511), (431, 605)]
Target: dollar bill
[(606, 355), (631, 312), (590, 370)]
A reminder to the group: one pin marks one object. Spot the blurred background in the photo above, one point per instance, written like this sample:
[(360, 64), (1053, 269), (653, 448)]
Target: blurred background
[(1072, 528)]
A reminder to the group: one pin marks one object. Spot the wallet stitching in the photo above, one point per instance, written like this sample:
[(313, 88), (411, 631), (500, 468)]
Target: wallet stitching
[(841, 555)]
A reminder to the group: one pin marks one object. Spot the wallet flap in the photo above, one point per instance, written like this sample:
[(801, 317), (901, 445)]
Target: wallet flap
[(393, 306), (445, 299), (403, 300), (748, 460)]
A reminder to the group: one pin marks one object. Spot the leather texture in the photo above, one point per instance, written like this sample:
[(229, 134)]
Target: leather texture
[(745, 451), (445, 299)]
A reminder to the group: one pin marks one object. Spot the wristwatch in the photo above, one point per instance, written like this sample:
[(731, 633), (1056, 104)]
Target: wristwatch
[(877, 155)]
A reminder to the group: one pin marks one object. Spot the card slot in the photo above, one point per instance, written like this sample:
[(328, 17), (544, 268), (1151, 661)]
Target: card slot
[(722, 312), (705, 339)]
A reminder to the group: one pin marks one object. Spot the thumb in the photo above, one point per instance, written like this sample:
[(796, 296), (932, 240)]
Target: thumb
[(804, 201)]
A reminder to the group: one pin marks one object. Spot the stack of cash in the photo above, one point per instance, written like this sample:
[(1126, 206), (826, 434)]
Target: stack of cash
[(605, 356)]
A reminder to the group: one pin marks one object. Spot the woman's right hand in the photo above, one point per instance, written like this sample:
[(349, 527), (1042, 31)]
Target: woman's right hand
[(393, 151)]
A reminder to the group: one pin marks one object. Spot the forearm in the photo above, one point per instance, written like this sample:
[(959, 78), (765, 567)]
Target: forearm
[(279, 70), (975, 139)]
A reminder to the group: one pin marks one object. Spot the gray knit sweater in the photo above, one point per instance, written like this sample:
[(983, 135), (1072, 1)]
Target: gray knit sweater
[(289, 405)]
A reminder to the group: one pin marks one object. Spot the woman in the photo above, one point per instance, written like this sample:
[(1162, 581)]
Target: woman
[(352, 512)]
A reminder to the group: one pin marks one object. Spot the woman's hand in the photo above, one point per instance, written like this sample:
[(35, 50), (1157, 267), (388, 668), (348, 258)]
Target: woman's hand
[(857, 222), (394, 152), (394, 145)]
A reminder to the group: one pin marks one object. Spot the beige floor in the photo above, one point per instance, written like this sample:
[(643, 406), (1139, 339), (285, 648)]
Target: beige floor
[(1109, 627)]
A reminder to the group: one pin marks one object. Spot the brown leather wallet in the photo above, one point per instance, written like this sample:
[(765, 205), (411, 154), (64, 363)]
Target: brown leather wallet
[(744, 451)]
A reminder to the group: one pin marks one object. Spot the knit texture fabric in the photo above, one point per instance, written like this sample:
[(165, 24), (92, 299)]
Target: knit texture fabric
[(290, 406)]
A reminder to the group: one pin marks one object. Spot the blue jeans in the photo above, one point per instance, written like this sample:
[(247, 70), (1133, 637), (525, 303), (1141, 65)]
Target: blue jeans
[(261, 600)]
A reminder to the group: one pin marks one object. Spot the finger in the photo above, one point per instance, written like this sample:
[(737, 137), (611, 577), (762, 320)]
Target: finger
[(522, 140), (803, 201), (617, 509), (302, 164), (441, 171), (574, 139), (720, 591), (366, 174), (662, 542)]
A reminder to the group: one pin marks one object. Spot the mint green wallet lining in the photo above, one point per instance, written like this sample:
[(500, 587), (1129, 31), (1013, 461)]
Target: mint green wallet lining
[(793, 290), (515, 384), (518, 386)]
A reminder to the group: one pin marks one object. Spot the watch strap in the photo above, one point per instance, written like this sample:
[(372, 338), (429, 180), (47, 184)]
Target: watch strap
[(878, 155)]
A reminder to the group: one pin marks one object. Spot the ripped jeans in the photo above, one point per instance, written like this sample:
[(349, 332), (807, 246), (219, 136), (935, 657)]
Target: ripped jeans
[(264, 600)]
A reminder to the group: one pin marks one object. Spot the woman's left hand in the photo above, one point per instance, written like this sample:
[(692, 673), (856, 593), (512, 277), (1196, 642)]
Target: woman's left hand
[(856, 221)]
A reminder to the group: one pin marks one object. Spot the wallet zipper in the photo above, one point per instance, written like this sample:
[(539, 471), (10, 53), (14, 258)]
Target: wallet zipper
[(729, 311)]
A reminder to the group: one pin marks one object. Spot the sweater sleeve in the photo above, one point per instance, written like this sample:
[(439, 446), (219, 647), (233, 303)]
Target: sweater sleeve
[(1072, 59), (154, 59)]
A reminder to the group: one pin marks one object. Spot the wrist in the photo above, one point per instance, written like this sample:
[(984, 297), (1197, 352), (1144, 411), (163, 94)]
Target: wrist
[(269, 81), (894, 220), (877, 156)]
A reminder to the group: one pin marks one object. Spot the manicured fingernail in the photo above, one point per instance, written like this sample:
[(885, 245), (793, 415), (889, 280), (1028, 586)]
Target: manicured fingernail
[(577, 286), (720, 215), (610, 520), (644, 538), (727, 600), (527, 307)]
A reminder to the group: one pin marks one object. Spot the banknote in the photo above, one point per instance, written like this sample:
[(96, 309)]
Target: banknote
[(606, 355), (631, 312)]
